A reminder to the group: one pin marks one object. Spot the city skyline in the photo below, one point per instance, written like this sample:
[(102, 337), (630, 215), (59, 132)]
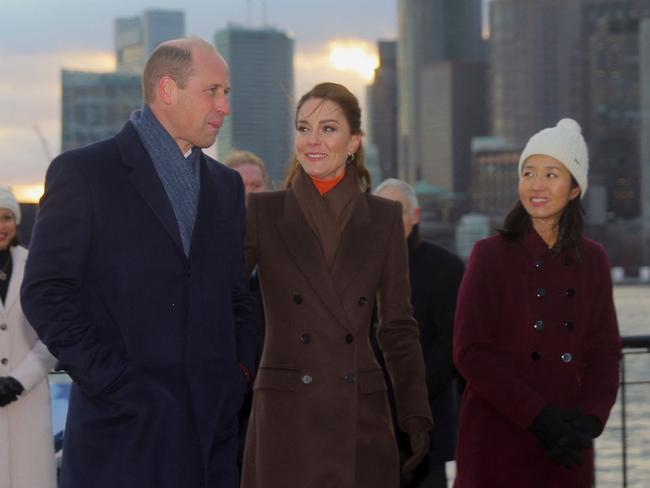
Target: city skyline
[(35, 50)]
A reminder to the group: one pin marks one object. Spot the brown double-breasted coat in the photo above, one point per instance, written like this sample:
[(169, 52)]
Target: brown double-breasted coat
[(320, 414)]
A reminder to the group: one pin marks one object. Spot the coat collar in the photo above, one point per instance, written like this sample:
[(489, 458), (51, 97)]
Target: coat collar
[(538, 250), (144, 177), (534, 244), (307, 253)]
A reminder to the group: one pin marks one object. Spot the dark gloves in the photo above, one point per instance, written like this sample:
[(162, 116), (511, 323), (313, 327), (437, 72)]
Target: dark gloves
[(418, 430), (10, 388), (588, 424), (552, 423), (568, 450), (565, 433)]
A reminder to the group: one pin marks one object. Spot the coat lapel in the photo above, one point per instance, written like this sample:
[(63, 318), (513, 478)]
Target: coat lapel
[(211, 207), (352, 248), (145, 179), (307, 253)]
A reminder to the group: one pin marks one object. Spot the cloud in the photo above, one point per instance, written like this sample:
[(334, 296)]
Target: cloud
[(316, 66)]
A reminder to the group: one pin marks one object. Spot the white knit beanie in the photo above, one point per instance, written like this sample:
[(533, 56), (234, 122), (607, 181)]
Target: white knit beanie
[(565, 143), (8, 201)]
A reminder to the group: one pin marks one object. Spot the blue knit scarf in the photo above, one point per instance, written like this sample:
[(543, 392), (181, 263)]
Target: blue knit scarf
[(179, 175)]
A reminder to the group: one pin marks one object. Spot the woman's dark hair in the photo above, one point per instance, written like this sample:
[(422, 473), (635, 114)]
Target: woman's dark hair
[(570, 224), (344, 98), (15, 241)]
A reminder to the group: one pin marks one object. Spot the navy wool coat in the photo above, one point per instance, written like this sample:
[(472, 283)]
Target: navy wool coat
[(151, 338), (533, 328)]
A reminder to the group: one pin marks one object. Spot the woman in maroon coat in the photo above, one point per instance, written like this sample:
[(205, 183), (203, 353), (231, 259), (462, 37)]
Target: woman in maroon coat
[(536, 334)]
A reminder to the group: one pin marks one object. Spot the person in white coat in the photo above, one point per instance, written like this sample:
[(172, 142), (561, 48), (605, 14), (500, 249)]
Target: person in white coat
[(26, 443)]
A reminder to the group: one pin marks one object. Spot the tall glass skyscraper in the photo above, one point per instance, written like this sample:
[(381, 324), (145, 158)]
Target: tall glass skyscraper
[(534, 47), (136, 37), (261, 100), (429, 31), (433, 32)]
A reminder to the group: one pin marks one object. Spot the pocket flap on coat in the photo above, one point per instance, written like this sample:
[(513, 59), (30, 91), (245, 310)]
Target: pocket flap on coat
[(276, 379), (372, 381)]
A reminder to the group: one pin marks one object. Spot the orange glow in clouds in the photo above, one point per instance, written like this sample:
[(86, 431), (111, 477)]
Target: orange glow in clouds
[(28, 193), (357, 56)]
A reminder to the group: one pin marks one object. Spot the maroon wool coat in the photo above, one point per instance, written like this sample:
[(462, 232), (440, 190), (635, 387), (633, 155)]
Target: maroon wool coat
[(532, 328), (320, 416)]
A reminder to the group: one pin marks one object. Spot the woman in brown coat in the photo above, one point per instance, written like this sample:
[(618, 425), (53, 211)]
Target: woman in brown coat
[(326, 251)]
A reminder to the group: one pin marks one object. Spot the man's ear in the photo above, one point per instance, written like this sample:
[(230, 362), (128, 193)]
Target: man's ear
[(166, 90), (416, 215)]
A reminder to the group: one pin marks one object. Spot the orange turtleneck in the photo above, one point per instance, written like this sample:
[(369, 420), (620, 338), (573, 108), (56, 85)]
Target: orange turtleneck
[(323, 186)]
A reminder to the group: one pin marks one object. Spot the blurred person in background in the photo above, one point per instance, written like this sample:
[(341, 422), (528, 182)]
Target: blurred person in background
[(26, 443), (253, 172), (251, 168), (435, 276), (536, 335), (326, 252)]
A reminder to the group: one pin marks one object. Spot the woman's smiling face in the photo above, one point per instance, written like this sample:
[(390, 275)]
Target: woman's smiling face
[(323, 139)]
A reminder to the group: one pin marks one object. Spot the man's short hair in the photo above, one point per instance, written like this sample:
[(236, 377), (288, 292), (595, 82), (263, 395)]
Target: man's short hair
[(173, 59), (404, 188), (239, 158)]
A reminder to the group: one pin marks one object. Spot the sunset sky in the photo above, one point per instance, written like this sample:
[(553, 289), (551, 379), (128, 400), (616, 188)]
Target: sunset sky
[(334, 40)]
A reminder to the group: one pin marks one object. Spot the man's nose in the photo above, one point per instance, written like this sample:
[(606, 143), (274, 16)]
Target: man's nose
[(223, 105)]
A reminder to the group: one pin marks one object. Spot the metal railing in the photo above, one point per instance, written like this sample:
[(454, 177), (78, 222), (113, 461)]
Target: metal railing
[(632, 345)]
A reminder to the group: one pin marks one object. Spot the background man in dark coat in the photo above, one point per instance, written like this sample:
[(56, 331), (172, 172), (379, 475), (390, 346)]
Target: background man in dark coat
[(135, 282), (435, 276)]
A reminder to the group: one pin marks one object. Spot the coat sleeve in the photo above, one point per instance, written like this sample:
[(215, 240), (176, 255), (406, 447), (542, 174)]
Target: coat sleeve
[(54, 277), (398, 333), (602, 354), (242, 300), (488, 369)]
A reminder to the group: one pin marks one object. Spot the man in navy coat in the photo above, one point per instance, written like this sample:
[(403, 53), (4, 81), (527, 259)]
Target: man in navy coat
[(135, 282)]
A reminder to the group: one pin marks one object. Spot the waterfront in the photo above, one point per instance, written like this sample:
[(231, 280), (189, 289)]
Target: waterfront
[(633, 309)]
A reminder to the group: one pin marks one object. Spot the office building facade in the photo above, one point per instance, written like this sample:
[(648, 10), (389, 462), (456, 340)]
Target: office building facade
[(261, 100), (135, 38), (431, 32), (382, 109), (95, 106)]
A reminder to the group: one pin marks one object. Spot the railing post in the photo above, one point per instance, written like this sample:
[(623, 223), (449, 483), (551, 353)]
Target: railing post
[(623, 423)]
